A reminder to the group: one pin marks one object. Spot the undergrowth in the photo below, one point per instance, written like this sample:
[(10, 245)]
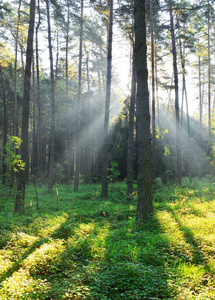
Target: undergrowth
[(79, 246)]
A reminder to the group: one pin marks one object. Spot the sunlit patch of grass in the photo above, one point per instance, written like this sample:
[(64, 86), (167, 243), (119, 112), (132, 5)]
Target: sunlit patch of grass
[(22, 286), (45, 226), (5, 261), (43, 261), (193, 282)]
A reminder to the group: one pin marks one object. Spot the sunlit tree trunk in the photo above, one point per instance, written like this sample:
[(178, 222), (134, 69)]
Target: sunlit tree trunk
[(4, 166), (88, 146), (200, 97), (144, 202), (178, 141), (78, 125), (209, 73), (130, 151), (105, 150), (20, 197), (52, 133)]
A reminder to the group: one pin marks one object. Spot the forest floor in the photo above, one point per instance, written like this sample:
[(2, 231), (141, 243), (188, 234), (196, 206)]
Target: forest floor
[(79, 246)]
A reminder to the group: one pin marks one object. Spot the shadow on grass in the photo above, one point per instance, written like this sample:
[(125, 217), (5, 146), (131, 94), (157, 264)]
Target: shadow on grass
[(112, 259), (18, 263), (198, 258)]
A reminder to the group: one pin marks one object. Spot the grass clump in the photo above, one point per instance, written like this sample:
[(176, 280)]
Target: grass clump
[(79, 246)]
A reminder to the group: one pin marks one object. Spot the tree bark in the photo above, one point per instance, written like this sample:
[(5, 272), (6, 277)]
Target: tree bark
[(130, 151), (67, 101), (178, 140), (39, 122), (34, 159), (144, 203), (15, 74), (153, 90), (105, 150), (52, 133), (209, 74), (20, 197), (4, 166), (78, 128)]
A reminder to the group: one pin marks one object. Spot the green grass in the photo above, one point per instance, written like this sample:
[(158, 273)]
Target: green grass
[(79, 246)]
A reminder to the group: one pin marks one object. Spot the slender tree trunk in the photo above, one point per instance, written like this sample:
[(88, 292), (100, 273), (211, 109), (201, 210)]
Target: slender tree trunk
[(200, 99), (78, 128), (209, 74), (156, 80), (144, 202), (130, 151), (153, 90), (52, 133), (39, 132), (105, 150), (88, 146), (4, 166), (34, 160), (15, 73), (20, 197), (67, 101), (178, 141)]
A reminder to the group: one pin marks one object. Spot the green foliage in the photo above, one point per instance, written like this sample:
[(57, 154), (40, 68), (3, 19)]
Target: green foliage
[(13, 160), (91, 248), (113, 172)]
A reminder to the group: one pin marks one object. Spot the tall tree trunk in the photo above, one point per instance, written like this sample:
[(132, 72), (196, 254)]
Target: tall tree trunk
[(78, 128), (200, 98), (20, 197), (4, 166), (144, 202), (15, 73), (105, 150), (52, 133), (178, 140), (130, 149), (34, 159), (209, 73), (67, 101), (39, 131), (153, 90), (88, 146), (156, 80)]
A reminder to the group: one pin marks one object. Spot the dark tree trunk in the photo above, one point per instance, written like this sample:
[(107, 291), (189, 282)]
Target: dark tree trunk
[(20, 197), (105, 151), (153, 90), (34, 159), (39, 123), (52, 134), (78, 128), (178, 140), (15, 73), (67, 102), (144, 204), (4, 166), (130, 151)]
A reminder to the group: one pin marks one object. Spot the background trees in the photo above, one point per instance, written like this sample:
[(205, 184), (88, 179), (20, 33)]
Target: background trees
[(59, 151)]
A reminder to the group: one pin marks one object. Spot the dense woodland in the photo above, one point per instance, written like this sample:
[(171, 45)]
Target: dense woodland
[(107, 149), (65, 114)]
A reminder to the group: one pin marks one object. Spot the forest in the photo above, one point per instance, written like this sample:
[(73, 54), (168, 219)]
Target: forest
[(107, 142)]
